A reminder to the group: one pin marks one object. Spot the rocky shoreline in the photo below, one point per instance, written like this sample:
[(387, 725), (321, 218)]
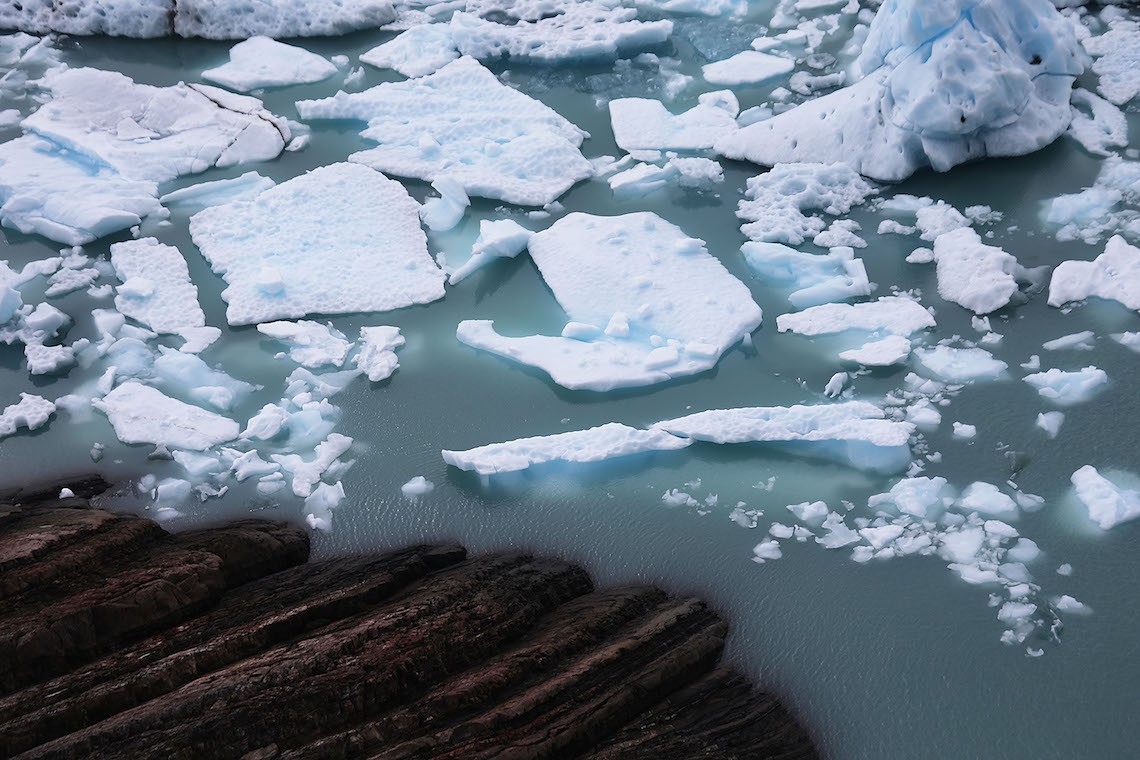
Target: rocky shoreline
[(120, 640)]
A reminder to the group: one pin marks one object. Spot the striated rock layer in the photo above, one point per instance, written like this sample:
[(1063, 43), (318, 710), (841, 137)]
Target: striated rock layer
[(120, 640)]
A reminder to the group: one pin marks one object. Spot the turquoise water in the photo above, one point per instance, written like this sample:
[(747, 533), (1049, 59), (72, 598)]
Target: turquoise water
[(894, 658)]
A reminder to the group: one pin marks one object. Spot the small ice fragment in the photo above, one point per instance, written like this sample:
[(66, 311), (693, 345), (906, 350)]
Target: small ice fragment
[(417, 486)]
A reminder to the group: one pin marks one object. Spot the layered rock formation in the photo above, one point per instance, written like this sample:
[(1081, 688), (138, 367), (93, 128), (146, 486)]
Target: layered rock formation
[(120, 640)]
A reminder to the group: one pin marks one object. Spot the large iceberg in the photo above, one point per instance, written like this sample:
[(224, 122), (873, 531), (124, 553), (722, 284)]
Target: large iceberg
[(94, 154), (213, 19), (937, 83), (341, 239), (646, 303), (463, 123)]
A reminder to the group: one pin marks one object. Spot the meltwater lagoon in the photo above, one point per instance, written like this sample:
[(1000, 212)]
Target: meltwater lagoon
[(914, 512)]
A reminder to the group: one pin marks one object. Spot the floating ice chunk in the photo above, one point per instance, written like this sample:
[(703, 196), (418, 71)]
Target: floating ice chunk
[(644, 124), (565, 31), (187, 375), (197, 466), (809, 512), (1065, 569), (417, 52), (1130, 340), (961, 546), (266, 423), (816, 279), (311, 344), (1115, 275), (840, 233), (836, 384), (677, 498), (1108, 503), (217, 192), (50, 360), (1117, 54), (1105, 127), (964, 432), (938, 219), (250, 465), (262, 62), (443, 213), (500, 238), (766, 550), (463, 122), (893, 349), (923, 415), (920, 256), (881, 536), (594, 445), (1081, 341), (199, 18), (854, 432), (696, 7), (838, 534), (894, 315), (960, 365), (68, 281), (644, 267), (1066, 603), (377, 355), (965, 81), (1064, 388), (307, 474), (141, 414), (171, 305), (985, 499), (340, 239), (922, 497), (417, 486), (748, 67), (695, 173), (1024, 550), (972, 274), (775, 201), (320, 504), (31, 412)]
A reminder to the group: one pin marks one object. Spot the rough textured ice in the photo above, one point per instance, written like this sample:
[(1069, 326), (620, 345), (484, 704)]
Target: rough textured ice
[(310, 344), (213, 19), (306, 474), (340, 239), (814, 279), (444, 212), (775, 201), (1115, 275), (892, 315), (29, 412), (417, 486), (972, 274), (162, 297), (644, 124), (1051, 422), (690, 172), (936, 85), (986, 499), (853, 432), (498, 239), (377, 355), (646, 303), (1064, 388), (141, 414), (960, 365), (93, 155), (186, 375), (921, 497), (464, 123), (1108, 504), (1117, 63), (593, 445), (1104, 127), (262, 62), (749, 67), (891, 350), (417, 52)]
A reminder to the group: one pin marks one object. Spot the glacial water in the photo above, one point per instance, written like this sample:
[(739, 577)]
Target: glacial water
[(891, 658)]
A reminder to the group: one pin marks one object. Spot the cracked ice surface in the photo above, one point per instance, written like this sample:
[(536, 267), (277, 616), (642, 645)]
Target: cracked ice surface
[(463, 123), (646, 302)]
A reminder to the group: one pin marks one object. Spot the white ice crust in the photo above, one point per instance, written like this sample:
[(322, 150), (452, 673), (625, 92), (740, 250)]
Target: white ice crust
[(936, 84), (886, 352), (167, 301), (972, 274), (960, 365), (1065, 388), (141, 414), (775, 201), (645, 124), (340, 239), (498, 239), (310, 344), (593, 445), (31, 412), (889, 315), (748, 67), (262, 62), (814, 279), (646, 303), (464, 123), (92, 157), (213, 19), (1108, 504), (377, 355), (1114, 275)]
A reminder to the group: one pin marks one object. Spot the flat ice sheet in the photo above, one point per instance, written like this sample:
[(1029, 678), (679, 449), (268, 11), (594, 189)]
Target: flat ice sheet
[(889, 315), (162, 297), (141, 414), (263, 62), (341, 239), (463, 123)]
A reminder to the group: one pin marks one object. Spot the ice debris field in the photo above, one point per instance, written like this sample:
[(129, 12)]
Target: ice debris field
[(701, 245)]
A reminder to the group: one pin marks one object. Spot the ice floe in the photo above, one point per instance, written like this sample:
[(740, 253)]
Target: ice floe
[(376, 357), (934, 88), (31, 412), (813, 278), (645, 124), (141, 414), (1108, 504), (646, 303), (1115, 275), (972, 274), (1117, 54), (774, 202), (342, 238), (156, 289), (1065, 388), (960, 365), (463, 123), (262, 62), (893, 349), (498, 239), (748, 67), (1105, 127), (889, 315), (310, 344)]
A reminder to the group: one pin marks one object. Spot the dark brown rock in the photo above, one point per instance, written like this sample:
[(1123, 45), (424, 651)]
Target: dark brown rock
[(122, 641)]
